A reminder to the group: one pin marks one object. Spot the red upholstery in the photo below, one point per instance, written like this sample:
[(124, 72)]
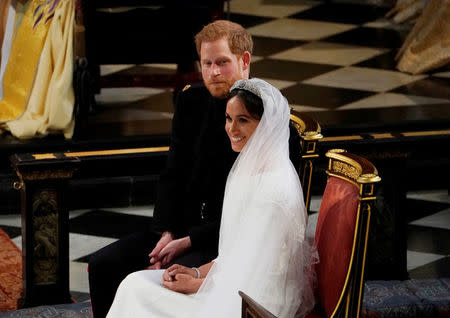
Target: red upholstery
[(334, 240)]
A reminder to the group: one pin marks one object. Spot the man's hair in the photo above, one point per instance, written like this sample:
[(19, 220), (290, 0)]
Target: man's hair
[(239, 40)]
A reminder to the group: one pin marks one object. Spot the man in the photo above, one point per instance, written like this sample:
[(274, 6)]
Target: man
[(190, 191)]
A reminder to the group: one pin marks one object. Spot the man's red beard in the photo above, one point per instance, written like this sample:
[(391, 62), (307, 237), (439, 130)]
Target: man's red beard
[(220, 87)]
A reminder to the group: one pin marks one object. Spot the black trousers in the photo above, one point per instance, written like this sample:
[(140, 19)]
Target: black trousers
[(111, 264)]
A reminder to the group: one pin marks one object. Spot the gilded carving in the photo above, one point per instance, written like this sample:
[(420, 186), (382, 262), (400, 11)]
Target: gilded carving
[(45, 237), (297, 127), (312, 135), (47, 174), (345, 169)]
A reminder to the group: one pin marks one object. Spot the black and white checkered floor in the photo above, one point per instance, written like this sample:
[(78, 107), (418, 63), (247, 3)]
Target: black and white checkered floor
[(333, 59), (324, 57), (428, 234)]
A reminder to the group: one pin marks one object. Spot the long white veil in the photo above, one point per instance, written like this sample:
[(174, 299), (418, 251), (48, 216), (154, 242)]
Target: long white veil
[(262, 246)]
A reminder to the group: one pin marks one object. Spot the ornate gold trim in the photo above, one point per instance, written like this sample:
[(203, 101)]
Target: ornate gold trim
[(329, 173), (346, 169), (426, 133), (337, 150), (18, 185), (361, 284), (345, 289), (336, 154), (298, 124), (115, 152), (44, 156), (369, 177), (47, 174), (345, 166), (368, 198), (310, 156), (382, 136), (389, 135), (339, 138), (312, 135)]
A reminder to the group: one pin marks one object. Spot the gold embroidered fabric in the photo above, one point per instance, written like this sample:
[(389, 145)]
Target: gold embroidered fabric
[(38, 91), (50, 105), (427, 46), (25, 52)]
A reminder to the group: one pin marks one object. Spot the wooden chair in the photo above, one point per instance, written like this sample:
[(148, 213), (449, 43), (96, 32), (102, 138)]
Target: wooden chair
[(341, 238), (310, 133)]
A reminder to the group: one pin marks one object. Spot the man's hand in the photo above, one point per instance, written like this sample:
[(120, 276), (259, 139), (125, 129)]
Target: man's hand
[(154, 256), (173, 249), (167, 249), (183, 283)]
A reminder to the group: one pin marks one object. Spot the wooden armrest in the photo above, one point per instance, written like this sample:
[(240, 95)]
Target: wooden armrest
[(252, 309)]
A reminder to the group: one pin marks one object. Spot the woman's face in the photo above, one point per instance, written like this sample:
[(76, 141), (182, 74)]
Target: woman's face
[(239, 124)]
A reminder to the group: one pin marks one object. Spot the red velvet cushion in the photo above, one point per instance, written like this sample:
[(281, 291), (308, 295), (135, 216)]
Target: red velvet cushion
[(334, 240)]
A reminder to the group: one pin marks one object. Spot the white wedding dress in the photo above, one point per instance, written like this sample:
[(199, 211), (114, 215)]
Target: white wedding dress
[(262, 247)]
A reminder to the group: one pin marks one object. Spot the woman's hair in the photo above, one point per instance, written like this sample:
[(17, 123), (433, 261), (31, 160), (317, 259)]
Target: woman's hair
[(239, 40), (252, 103)]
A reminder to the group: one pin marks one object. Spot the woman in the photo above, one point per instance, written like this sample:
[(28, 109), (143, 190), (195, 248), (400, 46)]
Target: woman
[(262, 247)]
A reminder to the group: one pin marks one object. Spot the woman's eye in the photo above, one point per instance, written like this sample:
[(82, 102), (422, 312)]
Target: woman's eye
[(243, 120), (227, 118)]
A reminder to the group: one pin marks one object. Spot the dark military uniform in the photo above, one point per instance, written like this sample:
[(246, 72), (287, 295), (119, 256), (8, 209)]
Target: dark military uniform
[(192, 187), (190, 191), (190, 195)]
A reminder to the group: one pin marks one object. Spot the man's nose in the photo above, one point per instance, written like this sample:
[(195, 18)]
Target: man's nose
[(216, 70)]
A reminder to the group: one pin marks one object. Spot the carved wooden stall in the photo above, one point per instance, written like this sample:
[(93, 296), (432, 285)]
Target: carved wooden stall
[(43, 182), (45, 239)]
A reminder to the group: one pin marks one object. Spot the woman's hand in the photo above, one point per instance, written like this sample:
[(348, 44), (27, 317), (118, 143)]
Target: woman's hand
[(175, 269), (183, 283)]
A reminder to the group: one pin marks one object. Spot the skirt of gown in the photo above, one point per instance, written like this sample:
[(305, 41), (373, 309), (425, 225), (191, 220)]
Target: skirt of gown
[(141, 295)]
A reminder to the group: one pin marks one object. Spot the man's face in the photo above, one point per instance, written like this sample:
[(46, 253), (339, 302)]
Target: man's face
[(220, 67)]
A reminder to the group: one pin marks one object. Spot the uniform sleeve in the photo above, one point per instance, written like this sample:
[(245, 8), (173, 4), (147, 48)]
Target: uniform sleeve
[(205, 236), (165, 214), (294, 146)]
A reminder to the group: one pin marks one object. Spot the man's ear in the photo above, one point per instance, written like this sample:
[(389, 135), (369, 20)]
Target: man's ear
[(246, 58)]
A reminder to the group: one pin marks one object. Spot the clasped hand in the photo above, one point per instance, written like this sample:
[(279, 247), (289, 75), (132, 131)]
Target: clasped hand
[(181, 279), (167, 249)]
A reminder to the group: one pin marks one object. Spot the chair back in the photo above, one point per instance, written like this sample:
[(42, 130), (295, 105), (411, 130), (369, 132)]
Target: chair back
[(310, 133), (342, 232)]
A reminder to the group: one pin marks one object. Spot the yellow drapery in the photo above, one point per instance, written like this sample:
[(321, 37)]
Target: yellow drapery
[(427, 46), (50, 105), (25, 52)]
